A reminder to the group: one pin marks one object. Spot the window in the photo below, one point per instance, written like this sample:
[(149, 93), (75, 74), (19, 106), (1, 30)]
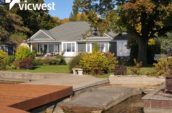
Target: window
[(51, 48), (122, 50), (104, 47), (89, 47), (68, 47)]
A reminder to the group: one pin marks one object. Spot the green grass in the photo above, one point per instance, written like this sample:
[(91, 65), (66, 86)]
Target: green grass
[(65, 69), (47, 69)]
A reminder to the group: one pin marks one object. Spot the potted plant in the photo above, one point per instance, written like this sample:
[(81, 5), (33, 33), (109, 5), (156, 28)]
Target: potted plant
[(169, 76)]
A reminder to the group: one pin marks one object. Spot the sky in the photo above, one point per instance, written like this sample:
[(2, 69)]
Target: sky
[(63, 8)]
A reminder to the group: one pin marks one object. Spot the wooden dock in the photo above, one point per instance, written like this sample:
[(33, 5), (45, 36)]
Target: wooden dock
[(20, 98)]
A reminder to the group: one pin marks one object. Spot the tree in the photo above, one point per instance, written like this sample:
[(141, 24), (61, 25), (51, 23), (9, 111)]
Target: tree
[(10, 23), (36, 20), (99, 14), (65, 20), (76, 15), (145, 18), (75, 10), (166, 42), (17, 38), (27, 22)]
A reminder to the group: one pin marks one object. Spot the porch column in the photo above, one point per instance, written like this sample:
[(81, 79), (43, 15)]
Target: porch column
[(31, 47)]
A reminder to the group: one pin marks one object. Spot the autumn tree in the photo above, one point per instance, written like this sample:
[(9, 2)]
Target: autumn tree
[(166, 42), (76, 15), (146, 18)]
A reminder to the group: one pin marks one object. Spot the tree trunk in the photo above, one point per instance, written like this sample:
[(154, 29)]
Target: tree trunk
[(142, 51)]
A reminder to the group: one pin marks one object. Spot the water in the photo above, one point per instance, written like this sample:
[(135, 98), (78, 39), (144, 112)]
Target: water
[(131, 105)]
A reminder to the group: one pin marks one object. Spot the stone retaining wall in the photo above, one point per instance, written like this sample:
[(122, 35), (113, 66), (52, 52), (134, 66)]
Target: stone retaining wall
[(25, 75), (136, 81)]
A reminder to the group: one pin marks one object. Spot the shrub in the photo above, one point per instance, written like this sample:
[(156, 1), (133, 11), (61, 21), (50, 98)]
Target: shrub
[(24, 57), (162, 66), (169, 66), (97, 62), (23, 52), (58, 60), (45, 61), (38, 61), (74, 62), (61, 60), (96, 47), (10, 59), (3, 59), (11, 67), (136, 68), (26, 63), (111, 62), (120, 70)]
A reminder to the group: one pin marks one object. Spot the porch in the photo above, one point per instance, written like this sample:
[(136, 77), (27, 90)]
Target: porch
[(46, 49)]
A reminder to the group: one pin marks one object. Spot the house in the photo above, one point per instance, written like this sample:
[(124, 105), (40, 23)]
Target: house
[(73, 38), (9, 48)]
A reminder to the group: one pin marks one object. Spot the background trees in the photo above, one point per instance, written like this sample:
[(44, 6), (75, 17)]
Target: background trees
[(146, 18), (15, 22), (166, 43)]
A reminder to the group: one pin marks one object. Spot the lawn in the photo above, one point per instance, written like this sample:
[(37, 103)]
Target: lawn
[(47, 69), (65, 69)]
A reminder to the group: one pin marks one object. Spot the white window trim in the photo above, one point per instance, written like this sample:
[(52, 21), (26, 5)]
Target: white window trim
[(108, 47), (76, 48), (104, 49), (91, 47)]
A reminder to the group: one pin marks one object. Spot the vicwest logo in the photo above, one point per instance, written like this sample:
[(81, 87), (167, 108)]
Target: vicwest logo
[(30, 6)]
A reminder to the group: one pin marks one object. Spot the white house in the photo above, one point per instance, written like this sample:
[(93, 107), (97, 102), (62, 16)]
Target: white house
[(73, 38)]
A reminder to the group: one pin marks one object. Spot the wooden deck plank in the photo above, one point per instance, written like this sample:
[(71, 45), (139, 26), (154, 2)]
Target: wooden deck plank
[(26, 97)]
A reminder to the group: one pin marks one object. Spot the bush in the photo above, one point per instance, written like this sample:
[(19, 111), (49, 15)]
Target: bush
[(61, 60), (38, 61), (24, 58), (136, 68), (169, 73), (120, 70), (74, 62), (26, 63), (97, 62), (23, 52), (10, 59), (11, 67), (58, 60), (162, 66), (3, 59), (111, 62)]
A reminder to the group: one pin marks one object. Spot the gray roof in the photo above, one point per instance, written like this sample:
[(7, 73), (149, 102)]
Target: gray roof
[(71, 31)]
